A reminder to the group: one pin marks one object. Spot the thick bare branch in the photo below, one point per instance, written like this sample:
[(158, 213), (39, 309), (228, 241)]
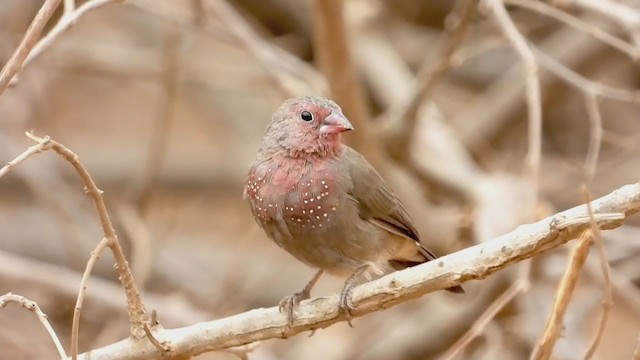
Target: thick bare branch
[(473, 263)]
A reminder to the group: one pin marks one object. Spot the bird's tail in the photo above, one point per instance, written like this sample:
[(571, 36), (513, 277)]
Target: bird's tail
[(428, 256)]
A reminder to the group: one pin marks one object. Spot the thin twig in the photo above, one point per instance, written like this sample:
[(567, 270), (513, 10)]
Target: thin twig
[(476, 262), (583, 84), (14, 64), (75, 325), (617, 11), (595, 138), (67, 21), (533, 91), (292, 75), (42, 317), (137, 315), (544, 347), (577, 23), (160, 346), (32, 150), (401, 119), (607, 300), (516, 288)]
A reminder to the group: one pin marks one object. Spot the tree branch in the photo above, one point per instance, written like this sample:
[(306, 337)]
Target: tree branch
[(68, 20), (14, 64), (400, 120), (135, 306), (331, 47), (42, 317), (473, 263)]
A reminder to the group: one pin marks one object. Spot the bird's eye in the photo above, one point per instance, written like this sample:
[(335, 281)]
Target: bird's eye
[(306, 116)]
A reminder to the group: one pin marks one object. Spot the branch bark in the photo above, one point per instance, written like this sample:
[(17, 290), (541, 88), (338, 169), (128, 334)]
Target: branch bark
[(473, 263)]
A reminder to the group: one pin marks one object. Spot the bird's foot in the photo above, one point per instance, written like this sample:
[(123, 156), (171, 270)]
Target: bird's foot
[(345, 305), (290, 303)]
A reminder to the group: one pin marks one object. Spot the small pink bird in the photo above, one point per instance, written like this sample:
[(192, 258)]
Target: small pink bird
[(323, 202)]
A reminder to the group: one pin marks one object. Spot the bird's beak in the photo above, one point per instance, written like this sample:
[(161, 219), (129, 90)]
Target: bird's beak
[(335, 123)]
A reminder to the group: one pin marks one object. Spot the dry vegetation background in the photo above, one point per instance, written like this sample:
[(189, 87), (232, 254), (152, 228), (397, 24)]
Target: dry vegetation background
[(165, 102)]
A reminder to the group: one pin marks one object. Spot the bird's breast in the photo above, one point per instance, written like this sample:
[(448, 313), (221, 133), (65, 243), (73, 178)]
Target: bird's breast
[(296, 195)]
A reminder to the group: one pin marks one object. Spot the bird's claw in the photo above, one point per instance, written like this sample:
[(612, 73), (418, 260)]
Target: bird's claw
[(290, 303), (345, 306)]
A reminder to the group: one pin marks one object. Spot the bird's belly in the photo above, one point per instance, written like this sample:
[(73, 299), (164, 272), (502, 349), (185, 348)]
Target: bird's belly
[(332, 243)]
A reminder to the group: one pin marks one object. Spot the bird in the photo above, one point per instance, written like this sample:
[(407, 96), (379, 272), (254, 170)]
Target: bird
[(325, 204)]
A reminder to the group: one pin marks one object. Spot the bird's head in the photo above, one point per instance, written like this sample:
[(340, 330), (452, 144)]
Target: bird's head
[(306, 126)]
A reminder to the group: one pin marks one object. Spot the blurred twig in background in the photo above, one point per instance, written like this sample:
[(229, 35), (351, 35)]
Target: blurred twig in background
[(42, 317)]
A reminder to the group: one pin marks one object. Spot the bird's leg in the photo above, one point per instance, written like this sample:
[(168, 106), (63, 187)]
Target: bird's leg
[(345, 294), (289, 303)]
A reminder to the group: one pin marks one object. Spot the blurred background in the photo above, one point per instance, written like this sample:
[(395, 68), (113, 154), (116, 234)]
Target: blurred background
[(166, 101)]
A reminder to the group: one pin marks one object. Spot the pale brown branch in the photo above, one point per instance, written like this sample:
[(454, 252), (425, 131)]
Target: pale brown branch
[(401, 119), (15, 62), (42, 317), (473, 263), (575, 22), (160, 346), (292, 75), (68, 20), (544, 347), (595, 138), (137, 315), (32, 150), (607, 301), (583, 84), (331, 48), (518, 287), (75, 324), (533, 91), (617, 11)]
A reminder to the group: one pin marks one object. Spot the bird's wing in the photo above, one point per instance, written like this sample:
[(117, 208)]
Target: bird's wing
[(376, 201)]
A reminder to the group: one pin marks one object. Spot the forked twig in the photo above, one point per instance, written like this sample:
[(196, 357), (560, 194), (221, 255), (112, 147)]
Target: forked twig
[(607, 301), (16, 61), (68, 20), (544, 347), (135, 306)]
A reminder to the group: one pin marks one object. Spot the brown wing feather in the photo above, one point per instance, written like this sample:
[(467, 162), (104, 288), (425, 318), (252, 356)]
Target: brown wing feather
[(376, 200), (378, 204)]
